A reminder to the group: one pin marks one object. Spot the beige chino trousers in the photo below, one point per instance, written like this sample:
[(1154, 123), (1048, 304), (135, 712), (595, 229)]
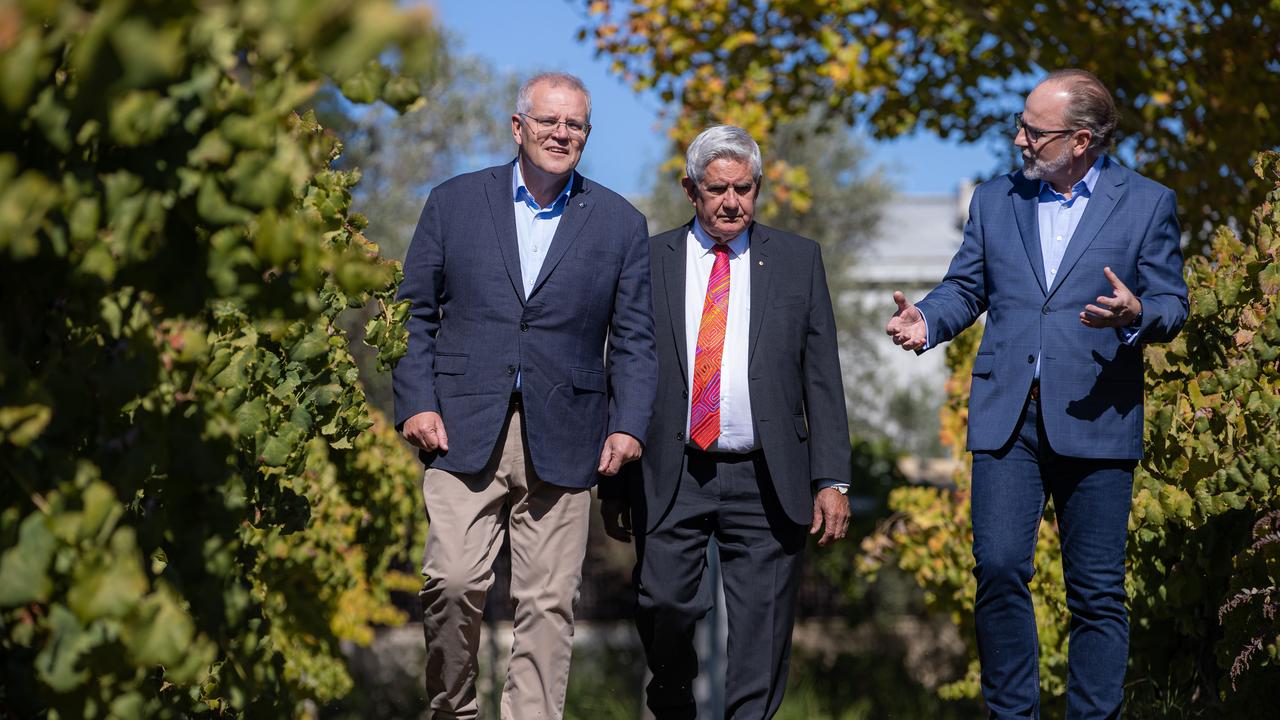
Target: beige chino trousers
[(547, 525)]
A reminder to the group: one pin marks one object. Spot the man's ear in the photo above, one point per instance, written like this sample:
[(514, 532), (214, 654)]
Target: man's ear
[(1082, 140), (690, 189)]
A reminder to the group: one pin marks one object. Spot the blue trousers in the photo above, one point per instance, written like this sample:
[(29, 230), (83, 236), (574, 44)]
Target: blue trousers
[(1091, 499)]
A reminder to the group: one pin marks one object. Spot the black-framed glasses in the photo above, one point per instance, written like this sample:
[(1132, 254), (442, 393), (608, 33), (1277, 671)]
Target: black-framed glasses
[(543, 127), (1034, 133)]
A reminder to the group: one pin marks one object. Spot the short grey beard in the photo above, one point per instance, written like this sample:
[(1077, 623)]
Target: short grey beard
[(1034, 169)]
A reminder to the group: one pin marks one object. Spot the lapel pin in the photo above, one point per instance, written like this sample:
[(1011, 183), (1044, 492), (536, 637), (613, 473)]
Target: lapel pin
[(581, 204), (761, 263)]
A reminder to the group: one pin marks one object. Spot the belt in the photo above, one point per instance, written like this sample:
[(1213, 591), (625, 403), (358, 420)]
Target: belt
[(722, 457), (1035, 390)]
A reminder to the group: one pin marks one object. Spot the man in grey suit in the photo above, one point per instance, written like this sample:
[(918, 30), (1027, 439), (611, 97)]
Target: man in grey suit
[(749, 442), (517, 276), (1075, 260)]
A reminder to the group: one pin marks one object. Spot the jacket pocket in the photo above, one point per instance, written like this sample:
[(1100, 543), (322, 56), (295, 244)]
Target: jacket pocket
[(802, 429), (450, 364), (589, 380), (983, 364)]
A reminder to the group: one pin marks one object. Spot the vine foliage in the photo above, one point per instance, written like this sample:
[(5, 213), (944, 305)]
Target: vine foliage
[(198, 505)]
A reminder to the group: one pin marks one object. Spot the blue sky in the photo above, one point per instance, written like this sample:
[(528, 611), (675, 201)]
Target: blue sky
[(627, 141)]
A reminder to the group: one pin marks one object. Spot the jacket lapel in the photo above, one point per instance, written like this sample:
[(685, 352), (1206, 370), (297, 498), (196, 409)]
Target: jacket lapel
[(1106, 195), (577, 209), (502, 211), (1025, 194), (759, 254), (674, 267)]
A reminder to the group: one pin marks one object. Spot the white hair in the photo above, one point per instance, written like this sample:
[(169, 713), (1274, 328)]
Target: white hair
[(720, 142), (524, 98)]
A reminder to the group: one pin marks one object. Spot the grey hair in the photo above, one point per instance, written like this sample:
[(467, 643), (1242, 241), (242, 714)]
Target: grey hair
[(524, 98), (720, 142), (1089, 105)]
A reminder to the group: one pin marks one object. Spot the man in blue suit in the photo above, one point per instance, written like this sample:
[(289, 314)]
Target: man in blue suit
[(1076, 262), (518, 276)]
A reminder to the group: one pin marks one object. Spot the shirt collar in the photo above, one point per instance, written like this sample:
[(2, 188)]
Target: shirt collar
[(1084, 186), (520, 193), (737, 246)]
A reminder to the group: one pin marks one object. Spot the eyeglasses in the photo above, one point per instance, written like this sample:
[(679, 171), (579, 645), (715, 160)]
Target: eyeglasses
[(1034, 133), (543, 127)]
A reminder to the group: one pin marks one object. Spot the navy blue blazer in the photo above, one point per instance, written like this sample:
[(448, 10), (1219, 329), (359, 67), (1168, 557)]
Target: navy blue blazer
[(1090, 381), (471, 328)]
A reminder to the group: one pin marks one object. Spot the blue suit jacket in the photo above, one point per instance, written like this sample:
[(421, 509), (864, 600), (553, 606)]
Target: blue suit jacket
[(471, 328), (1090, 381)]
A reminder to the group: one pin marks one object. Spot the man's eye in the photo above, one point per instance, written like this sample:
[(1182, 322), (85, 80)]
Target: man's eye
[(545, 123), (574, 127), (743, 189)]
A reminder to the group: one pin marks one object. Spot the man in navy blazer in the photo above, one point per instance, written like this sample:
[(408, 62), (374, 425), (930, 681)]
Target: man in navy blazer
[(518, 276), (1076, 262)]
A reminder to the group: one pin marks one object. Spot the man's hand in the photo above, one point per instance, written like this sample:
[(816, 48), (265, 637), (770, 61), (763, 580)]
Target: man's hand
[(1119, 310), (616, 514), (425, 431), (619, 449), (830, 508), (906, 327)]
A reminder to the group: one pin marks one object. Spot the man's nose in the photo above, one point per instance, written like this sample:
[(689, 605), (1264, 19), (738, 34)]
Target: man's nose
[(560, 131), (1020, 138)]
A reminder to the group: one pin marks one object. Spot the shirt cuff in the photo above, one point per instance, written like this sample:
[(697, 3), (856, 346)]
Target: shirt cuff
[(925, 346), (1129, 335), (824, 483)]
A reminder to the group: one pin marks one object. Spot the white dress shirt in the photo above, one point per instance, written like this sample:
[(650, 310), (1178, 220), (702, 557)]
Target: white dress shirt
[(737, 432)]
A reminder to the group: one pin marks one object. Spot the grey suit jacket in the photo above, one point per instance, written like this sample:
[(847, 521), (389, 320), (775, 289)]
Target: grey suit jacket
[(794, 380)]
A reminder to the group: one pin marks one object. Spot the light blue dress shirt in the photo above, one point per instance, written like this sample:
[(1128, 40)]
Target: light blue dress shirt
[(535, 228)]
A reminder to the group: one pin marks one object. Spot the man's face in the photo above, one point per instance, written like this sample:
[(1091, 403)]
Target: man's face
[(555, 150), (1045, 109), (725, 200)]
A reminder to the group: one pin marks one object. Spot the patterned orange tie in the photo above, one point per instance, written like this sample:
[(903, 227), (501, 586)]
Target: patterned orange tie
[(704, 414)]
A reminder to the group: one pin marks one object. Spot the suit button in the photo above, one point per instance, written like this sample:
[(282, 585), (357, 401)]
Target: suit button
[(1044, 310), (1031, 358), (684, 394), (511, 369), (680, 436), (524, 327)]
